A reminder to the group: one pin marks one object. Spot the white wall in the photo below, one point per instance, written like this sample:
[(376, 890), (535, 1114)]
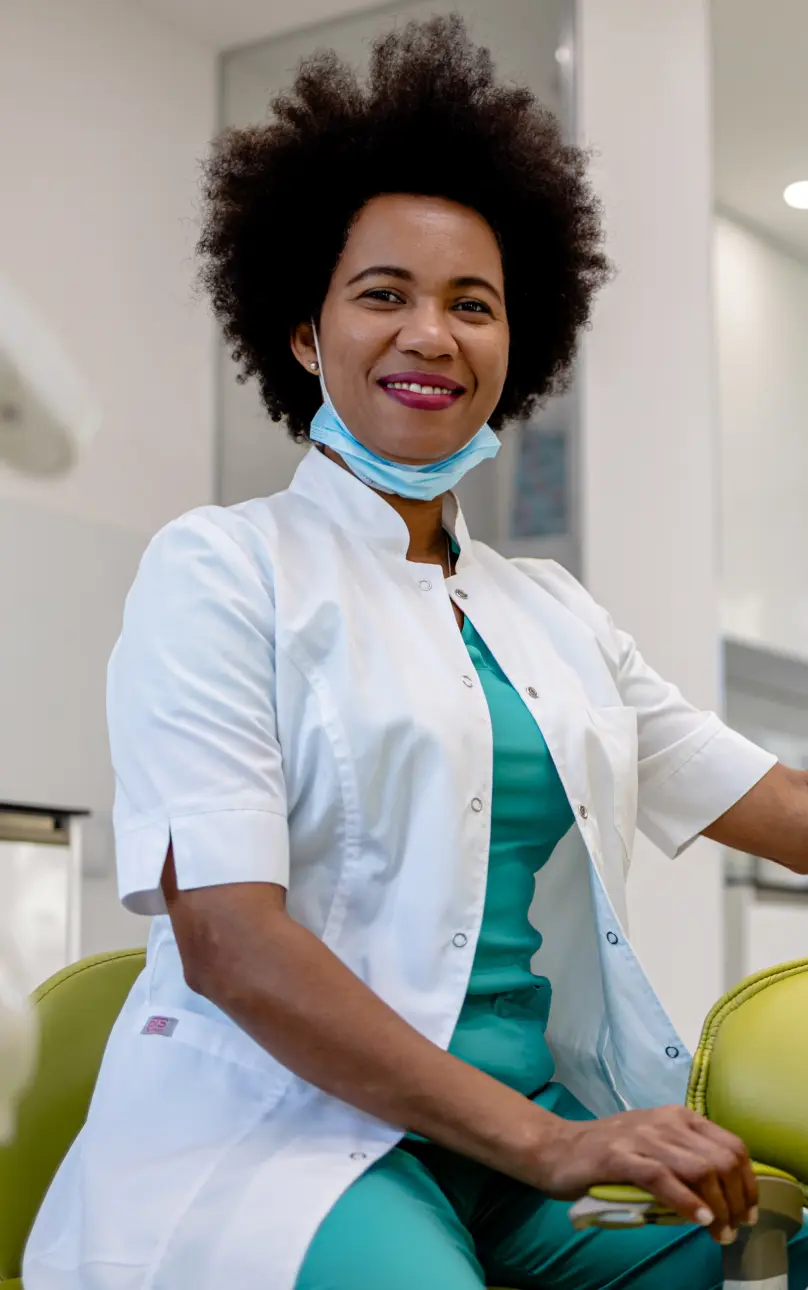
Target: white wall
[(762, 325), (649, 474), (104, 112)]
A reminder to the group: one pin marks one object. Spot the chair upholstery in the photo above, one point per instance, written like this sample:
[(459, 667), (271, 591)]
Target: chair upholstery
[(749, 1072), (75, 1010)]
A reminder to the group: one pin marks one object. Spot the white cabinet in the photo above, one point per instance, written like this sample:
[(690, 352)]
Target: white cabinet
[(40, 890)]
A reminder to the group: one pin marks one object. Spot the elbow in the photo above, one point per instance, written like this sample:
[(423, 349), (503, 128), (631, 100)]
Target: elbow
[(199, 958), (196, 977), (203, 965)]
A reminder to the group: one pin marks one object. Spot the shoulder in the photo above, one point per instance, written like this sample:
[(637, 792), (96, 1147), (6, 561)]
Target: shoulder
[(205, 578), (554, 578), (212, 563), (240, 540), (554, 581)]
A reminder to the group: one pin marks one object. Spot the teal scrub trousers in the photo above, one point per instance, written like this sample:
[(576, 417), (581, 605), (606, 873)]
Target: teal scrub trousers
[(424, 1218)]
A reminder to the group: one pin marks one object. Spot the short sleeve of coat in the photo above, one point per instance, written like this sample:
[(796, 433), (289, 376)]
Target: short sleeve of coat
[(191, 717), (692, 767)]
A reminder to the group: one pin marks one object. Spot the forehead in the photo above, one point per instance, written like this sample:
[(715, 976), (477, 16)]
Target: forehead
[(429, 236)]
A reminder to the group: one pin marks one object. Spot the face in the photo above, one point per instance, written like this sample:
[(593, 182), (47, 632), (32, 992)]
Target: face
[(413, 331)]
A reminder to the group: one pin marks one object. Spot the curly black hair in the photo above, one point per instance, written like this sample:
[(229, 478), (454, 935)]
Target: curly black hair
[(431, 119)]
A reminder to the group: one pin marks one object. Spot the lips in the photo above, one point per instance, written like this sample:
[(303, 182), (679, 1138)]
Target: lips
[(423, 391)]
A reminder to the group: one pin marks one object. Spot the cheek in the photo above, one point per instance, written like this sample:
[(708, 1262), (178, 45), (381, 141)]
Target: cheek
[(492, 363), (355, 344)]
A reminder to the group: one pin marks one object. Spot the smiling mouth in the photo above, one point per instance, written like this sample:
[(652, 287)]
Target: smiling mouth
[(426, 394)]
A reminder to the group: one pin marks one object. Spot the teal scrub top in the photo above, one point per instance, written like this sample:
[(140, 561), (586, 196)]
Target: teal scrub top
[(505, 1013)]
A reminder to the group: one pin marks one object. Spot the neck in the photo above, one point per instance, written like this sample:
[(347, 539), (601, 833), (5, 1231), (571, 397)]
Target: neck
[(424, 521)]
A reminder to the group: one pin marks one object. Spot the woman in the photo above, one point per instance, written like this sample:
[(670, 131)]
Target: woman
[(347, 738)]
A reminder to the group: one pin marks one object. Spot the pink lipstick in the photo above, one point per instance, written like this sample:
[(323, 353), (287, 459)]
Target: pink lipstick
[(424, 391)]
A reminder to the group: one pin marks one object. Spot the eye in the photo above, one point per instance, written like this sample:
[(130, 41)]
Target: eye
[(473, 306), (384, 294)]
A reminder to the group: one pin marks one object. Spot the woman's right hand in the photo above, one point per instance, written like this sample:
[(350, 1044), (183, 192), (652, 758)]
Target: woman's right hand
[(699, 1170)]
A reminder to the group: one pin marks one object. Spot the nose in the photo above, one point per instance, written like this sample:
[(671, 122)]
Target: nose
[(426, 331)]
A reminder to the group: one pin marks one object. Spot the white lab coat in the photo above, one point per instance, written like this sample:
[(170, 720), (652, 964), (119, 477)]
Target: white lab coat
[(289, 701)]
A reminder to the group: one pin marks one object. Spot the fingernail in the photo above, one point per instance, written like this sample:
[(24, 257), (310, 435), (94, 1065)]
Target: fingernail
[(705, 1216), (754, 1215), (728, 1235)]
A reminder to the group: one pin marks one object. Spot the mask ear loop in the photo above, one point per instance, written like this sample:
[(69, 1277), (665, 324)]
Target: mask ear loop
[(320, 373)]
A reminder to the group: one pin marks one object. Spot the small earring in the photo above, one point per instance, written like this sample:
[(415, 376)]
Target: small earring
[(314, 366)]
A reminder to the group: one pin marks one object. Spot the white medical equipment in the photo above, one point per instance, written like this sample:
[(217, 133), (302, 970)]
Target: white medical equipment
[(48, 413)]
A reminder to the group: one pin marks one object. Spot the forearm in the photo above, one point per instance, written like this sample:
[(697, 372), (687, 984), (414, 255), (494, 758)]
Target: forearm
[(301, 1003), (771, 820)]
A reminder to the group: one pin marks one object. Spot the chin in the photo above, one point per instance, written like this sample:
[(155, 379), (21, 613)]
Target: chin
[(416, 451), (420, 445)]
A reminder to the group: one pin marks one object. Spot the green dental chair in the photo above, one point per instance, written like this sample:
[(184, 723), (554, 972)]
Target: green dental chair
[(750, 1074)]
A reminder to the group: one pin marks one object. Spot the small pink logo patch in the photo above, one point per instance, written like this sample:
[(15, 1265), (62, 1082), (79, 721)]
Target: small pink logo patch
[(160, 1026)]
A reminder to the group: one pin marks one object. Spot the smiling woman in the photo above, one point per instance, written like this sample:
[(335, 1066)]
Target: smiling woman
[(384, 781)]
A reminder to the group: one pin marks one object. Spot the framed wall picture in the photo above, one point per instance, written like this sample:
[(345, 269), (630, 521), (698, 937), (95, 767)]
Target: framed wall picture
[(538, 494)]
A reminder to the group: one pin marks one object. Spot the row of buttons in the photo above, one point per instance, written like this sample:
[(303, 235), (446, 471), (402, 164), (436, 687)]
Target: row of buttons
[(426, 585), (671, 1051), (460, 939)]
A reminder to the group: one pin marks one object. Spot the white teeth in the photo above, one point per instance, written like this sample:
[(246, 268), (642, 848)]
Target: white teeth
[(418, 389)]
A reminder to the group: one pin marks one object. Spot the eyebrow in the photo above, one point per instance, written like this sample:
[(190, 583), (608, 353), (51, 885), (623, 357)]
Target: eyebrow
[(395, 271)]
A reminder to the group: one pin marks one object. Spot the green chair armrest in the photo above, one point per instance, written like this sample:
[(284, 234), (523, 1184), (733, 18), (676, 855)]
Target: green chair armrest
[(618, 1205)]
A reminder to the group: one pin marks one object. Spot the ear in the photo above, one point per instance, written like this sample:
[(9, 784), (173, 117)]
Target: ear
[(303, 348)]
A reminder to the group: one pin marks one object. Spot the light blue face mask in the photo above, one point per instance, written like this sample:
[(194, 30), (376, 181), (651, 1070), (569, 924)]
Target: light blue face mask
[(421, 482)]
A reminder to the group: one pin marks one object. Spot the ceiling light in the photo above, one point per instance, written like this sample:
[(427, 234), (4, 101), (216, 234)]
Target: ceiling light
[(796, 195)]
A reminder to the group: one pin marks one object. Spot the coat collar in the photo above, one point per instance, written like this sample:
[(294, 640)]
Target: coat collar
[(362, 511)]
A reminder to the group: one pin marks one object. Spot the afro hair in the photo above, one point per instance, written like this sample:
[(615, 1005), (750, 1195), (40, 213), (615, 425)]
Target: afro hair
[(430, 119)]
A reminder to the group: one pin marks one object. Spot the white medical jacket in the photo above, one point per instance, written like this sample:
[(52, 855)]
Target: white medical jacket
[(291, 701)]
